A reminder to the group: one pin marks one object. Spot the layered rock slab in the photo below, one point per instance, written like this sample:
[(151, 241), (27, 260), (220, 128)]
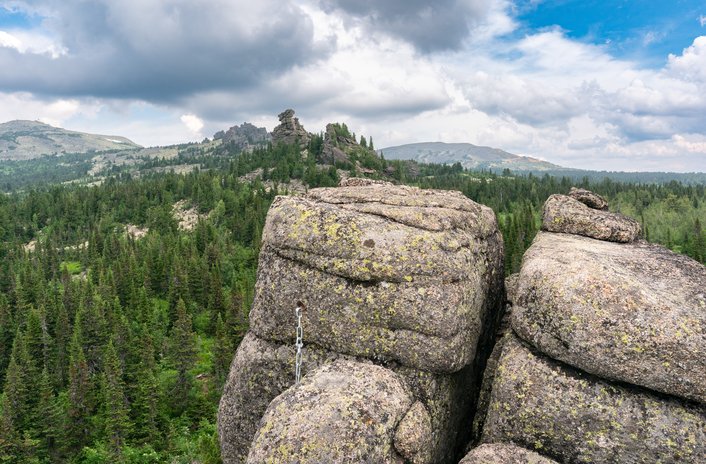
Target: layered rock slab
[(568, 215), (497, 453), (344, 412), (629, 312), (573, 417), (386, 272)]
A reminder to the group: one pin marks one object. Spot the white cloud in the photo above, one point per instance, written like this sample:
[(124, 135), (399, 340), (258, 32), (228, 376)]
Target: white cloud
[(31, 42), (702, 20), (692, 146), (193, 123), (691, 64)]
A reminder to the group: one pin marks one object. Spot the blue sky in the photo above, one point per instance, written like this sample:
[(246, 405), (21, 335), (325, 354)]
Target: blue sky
[(617, 85), (647, 30)]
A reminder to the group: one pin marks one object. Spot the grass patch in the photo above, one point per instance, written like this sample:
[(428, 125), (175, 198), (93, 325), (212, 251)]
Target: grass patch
[(72, 267)]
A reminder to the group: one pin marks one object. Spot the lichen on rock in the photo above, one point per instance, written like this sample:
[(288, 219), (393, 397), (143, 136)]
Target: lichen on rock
[(629, 312), (503, 453), (342, 412), (574, 417)]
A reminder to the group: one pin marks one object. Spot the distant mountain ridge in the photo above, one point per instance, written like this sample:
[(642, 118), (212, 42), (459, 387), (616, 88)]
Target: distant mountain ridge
[(470, 156), (20, 140)]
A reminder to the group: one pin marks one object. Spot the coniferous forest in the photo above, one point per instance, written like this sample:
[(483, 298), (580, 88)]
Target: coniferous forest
[(118, 323)]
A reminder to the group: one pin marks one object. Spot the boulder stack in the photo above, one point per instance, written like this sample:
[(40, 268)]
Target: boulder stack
[(392, 276), (606, 361)]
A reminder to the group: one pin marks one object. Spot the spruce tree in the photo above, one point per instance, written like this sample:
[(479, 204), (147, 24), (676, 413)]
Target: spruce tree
[(223, 352), (48, 419), (16, 389), (183, 355), (115, 408), (146, 396), (79, 400)]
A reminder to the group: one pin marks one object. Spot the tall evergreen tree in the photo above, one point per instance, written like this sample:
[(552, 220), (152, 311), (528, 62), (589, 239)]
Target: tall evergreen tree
[(115, 408), (146, 396), (78, 425), (183, 355)]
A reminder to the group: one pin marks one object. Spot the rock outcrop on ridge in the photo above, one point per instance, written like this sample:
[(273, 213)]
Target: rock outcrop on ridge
[(244, 137), (606, 360), (290, 130), (404, 278)]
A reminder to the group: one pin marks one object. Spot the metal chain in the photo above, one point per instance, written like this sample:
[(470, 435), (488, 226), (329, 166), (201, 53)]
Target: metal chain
[(299, 344)]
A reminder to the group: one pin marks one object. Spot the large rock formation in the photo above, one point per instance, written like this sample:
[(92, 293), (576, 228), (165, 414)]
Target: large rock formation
[(244, 137), (290, 130), (406, 278), (337, 145), (606, 359)]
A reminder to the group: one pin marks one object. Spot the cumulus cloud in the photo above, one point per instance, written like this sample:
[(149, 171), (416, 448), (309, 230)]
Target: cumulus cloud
[(193, 123), (429, 26), (401, 71), (160, 50)]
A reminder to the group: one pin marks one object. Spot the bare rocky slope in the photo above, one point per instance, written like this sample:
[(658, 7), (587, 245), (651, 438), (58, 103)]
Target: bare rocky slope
[(31, 139), (470, 156)]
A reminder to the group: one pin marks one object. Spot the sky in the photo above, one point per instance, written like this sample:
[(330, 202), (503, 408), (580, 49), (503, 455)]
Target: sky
[(605, 85)]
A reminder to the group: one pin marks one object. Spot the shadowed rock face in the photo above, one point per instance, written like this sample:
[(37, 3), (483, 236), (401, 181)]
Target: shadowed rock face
[(570, 216), (497, 453), (399, 276), (629, 312), (574, 417), (344, 412)]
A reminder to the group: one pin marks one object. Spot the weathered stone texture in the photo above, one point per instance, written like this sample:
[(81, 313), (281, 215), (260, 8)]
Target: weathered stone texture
[(588, 198), (385, 273), (343, 412), (573, 417), (568, 215), (629, 312), (398, 276), (503, 453), (261, 370)]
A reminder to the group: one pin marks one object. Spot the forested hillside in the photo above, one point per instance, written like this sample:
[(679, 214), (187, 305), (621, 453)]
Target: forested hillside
[(119, 315)]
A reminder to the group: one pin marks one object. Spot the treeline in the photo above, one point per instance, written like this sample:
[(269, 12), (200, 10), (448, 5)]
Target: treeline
[(115, 348)]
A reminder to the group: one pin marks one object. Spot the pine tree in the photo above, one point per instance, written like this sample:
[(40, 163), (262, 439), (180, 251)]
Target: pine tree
[(9, 438), (144, 407), (79, 401), (48, 419), (183, 355), (16, 389), (115, 408), (62, 336)]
